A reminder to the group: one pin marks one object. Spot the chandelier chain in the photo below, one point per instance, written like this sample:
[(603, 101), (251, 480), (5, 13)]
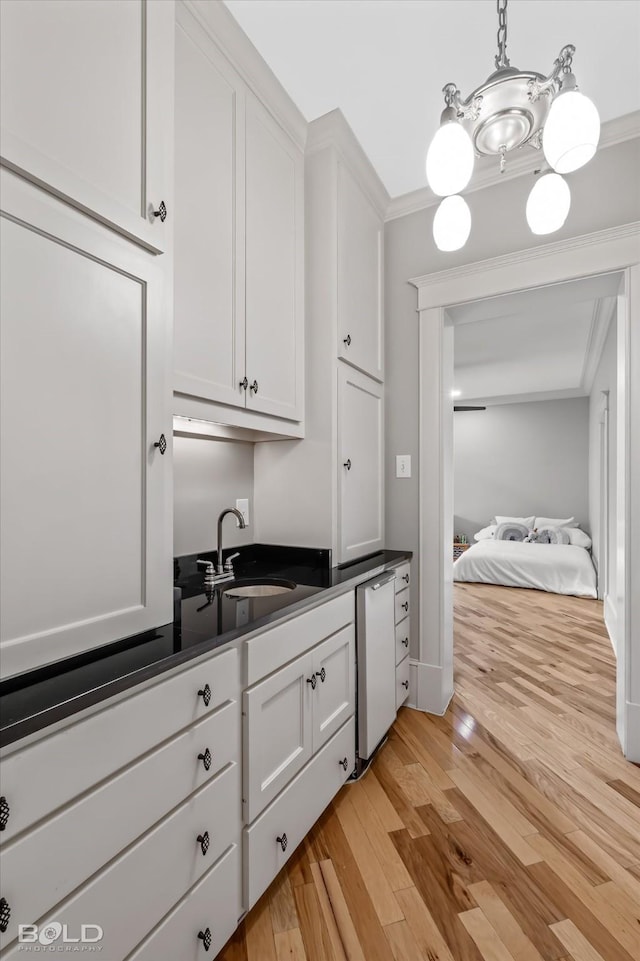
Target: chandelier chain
[(501, 59)]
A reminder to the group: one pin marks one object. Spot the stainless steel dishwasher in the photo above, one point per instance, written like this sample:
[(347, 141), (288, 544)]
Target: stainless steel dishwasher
[(376, 675)]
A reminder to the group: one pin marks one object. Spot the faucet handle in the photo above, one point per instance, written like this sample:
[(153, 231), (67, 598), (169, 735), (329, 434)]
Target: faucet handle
[(208, 567), (228, 565)]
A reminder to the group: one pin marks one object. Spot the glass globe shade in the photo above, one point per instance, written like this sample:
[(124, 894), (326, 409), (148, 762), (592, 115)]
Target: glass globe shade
[(571, 133), (452, 224), (548, 204), (449, 160)]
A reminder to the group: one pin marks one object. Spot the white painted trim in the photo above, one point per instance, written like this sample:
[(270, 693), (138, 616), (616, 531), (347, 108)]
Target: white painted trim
[(332, 131), (433, 691), (184, 405), (632, 752), (603, 311), (566, 393), (610, 621), (225, 31), (487, 172)]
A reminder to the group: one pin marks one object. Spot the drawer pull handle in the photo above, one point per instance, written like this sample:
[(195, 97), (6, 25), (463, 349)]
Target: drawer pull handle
[(5, 811), (405, 685), (5, 914), (322, 675), (405, 641), (206, 759), (205, 937), (347, 340), (312, 681), (283, 842), (244, 384), (405, 578), (347, 463), (253, 387), (405, 605), (205, 694), (344, 763), (161, 444), (161, 212), (203, 841)]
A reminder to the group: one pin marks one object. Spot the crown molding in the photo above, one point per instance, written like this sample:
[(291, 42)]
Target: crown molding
[(224, 30), (333, 131), (487, 174), (603, 311), (562, 393)]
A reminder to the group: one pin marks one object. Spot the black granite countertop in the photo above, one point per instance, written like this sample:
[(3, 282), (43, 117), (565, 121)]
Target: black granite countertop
[(203, 621)]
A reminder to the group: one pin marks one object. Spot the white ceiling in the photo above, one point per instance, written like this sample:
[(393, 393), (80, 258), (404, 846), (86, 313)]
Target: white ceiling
[(384, 62), (533, 345)]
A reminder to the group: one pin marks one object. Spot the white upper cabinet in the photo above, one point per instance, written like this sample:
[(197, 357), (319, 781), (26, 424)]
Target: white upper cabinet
[(359, 252), (86, 106), (361, 483), (86, 495), (239, 279)]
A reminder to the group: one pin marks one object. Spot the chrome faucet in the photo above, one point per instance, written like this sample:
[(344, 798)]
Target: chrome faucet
[(220, 567)]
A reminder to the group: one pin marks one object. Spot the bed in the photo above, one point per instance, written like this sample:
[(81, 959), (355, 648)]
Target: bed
[(560, 568)]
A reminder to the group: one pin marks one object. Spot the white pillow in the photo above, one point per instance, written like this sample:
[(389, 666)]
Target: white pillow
[(578, 538), (555, 522), (525, 521), (486, 533)]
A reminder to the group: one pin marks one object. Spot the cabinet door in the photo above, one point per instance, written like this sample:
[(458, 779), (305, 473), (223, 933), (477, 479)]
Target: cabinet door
[(87, 106), (86, 538), (335, 694), (277, 734), (209, 280), (274, 266), (360, 312), (360, 446)]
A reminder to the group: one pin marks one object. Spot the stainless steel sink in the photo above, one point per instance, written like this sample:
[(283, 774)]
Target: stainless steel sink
[(264, 587)]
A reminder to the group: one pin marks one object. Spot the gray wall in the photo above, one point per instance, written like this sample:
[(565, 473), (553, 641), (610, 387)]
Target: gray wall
[(605, 379), (208, 475), (521, 459), (605, 193)]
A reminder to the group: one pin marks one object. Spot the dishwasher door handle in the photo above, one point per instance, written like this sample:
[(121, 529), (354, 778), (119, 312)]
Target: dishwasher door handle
[(379, 584)]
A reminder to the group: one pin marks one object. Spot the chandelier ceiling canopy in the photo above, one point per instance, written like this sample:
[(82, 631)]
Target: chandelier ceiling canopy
[(512, 109)]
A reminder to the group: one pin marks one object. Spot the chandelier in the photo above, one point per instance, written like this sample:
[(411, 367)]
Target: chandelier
[(511, 109)]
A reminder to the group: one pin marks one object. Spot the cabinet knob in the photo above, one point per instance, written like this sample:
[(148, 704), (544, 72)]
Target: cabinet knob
[(161, 212), (203, 841), (205, 937), (253, 387), (321, 674), (5, 811), (405, 578), (5, 914), (347, 340), (244, 383), (405, 685), (312, 681), (344, 763), (161, 444), (283, 842), (405, 641), (347, 463), (205, 694), (206, 759), (405, 605)]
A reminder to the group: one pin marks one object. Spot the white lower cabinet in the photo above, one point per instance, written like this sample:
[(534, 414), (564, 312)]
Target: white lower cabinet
[(271, 840), (402, 682), (403, 633), (334, 696), (203, 920)]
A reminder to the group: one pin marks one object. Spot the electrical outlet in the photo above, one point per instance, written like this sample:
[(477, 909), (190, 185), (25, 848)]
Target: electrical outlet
[(403, 465), (242, 505)]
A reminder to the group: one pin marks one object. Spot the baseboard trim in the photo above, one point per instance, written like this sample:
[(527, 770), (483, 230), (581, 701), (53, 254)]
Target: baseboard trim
[(631, 748), (611, 622), (429, 690)]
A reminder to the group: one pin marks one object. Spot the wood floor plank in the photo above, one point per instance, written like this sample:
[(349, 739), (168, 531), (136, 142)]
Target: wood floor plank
[(485, 936), (506, 926), (424, 929), (335, 941), (313, 932), (344, 923), (289, 945), (575, 941)]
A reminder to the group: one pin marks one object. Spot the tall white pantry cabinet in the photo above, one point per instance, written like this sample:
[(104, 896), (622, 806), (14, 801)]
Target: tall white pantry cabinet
[(87, 213)]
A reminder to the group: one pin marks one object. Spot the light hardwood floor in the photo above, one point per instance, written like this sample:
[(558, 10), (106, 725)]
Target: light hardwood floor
[(507, 830)]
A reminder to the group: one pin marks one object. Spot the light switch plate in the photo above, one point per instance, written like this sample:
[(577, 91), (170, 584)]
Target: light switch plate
[(242, 505), (403, 465)]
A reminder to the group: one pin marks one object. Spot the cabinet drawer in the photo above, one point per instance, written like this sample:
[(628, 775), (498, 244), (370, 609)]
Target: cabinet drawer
[(214, 904), (294, 812), (72, 760), (269, 651), (403, 577), (403, 639), (402, 682), (72, 845), (402, 605), (134, 892)]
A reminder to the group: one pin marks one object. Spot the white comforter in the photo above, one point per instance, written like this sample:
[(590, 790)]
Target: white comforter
[(559, 568)]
